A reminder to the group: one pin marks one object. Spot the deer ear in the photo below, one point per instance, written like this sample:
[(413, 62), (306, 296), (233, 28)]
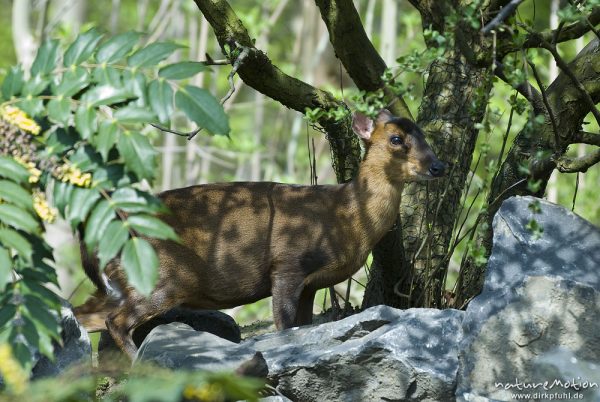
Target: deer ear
[(384, 116), (362, 125)]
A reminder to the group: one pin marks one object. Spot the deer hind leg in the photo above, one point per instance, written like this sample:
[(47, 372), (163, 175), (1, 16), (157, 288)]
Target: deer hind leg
[(132, 313)]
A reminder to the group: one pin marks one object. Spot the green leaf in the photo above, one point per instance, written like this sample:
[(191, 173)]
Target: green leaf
[(106, 138), (12, 239), (107, 75), (134, 201), (35, 85), (13, 193), (11, 169), (40, 312), (141, 265), (61, 195), (85, 158), (81, 202), (203, 109), (152, 54), (13, 82), (114, 238), (72, 82), (107, 95), (82, 48), (113, 175), (134, 114), (7, 312), (99, 219), (85, 121), (59, 111), (61, 141), (32, 106), (161, 99), (138, 154), (135, 82), (5, 268), (184, 69), (152, 227), (117, 47), (46, 58), (18, 218)]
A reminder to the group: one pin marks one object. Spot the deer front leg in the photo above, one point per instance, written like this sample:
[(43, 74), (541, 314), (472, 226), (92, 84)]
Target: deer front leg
[(286, 290)]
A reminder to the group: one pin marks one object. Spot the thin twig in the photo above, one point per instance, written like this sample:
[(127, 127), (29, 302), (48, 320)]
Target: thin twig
[(237, 63), (575, 193)]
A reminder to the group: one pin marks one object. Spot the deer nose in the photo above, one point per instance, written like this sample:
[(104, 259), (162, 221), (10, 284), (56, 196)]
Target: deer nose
[(437, 168)]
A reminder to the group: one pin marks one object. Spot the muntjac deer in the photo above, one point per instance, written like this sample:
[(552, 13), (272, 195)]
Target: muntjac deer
[(241, 242)]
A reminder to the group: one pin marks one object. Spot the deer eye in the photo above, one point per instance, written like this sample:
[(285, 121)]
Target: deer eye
[(395, 140)]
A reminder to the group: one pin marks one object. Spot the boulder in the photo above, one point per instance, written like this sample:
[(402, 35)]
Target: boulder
[(540, 293), (75, 350), (381, 353), (179, 346), (215, 322)]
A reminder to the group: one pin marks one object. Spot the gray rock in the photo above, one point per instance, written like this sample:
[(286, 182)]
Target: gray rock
[(381, 353), (76, 349), (215, 322), (179, 346), (539, 294), (377, 354)]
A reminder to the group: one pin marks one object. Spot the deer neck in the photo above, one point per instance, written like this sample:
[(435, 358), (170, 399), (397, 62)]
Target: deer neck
[(376, 200)]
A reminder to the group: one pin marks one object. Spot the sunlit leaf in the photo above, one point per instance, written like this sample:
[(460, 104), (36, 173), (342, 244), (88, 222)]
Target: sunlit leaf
[(73, 81), (5, 268), (46, 59), (13, 193), (82, 48), (182, 70), (152, 54), (161, 99), (59, 111), (106, 138), (80, 204), (141, 264), (11, 238), (13, 82), (132, 200), (13, 170), (114, 238), (117, 47), (151, 226), (17, 218), (138, 154), (85, 121), (134, 114), (99, 219), (203, 109), (107, 95)]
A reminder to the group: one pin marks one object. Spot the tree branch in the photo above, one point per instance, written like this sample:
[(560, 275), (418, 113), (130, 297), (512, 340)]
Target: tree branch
[(548, 107), (504, 13), (525, 89), (565, 33), (569, 73), (258, 72), (584, 137), (356, 52), (582, 164)]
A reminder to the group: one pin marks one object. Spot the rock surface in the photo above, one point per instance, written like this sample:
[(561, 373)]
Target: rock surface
[(179, 346), (539, 294), (76, 348), (377, 354)]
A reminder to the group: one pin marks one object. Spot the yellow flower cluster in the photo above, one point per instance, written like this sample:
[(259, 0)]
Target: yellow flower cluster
[(205, 393), (14, 376), (72, 174), (40, 204), (34, 172), (19, 118)]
